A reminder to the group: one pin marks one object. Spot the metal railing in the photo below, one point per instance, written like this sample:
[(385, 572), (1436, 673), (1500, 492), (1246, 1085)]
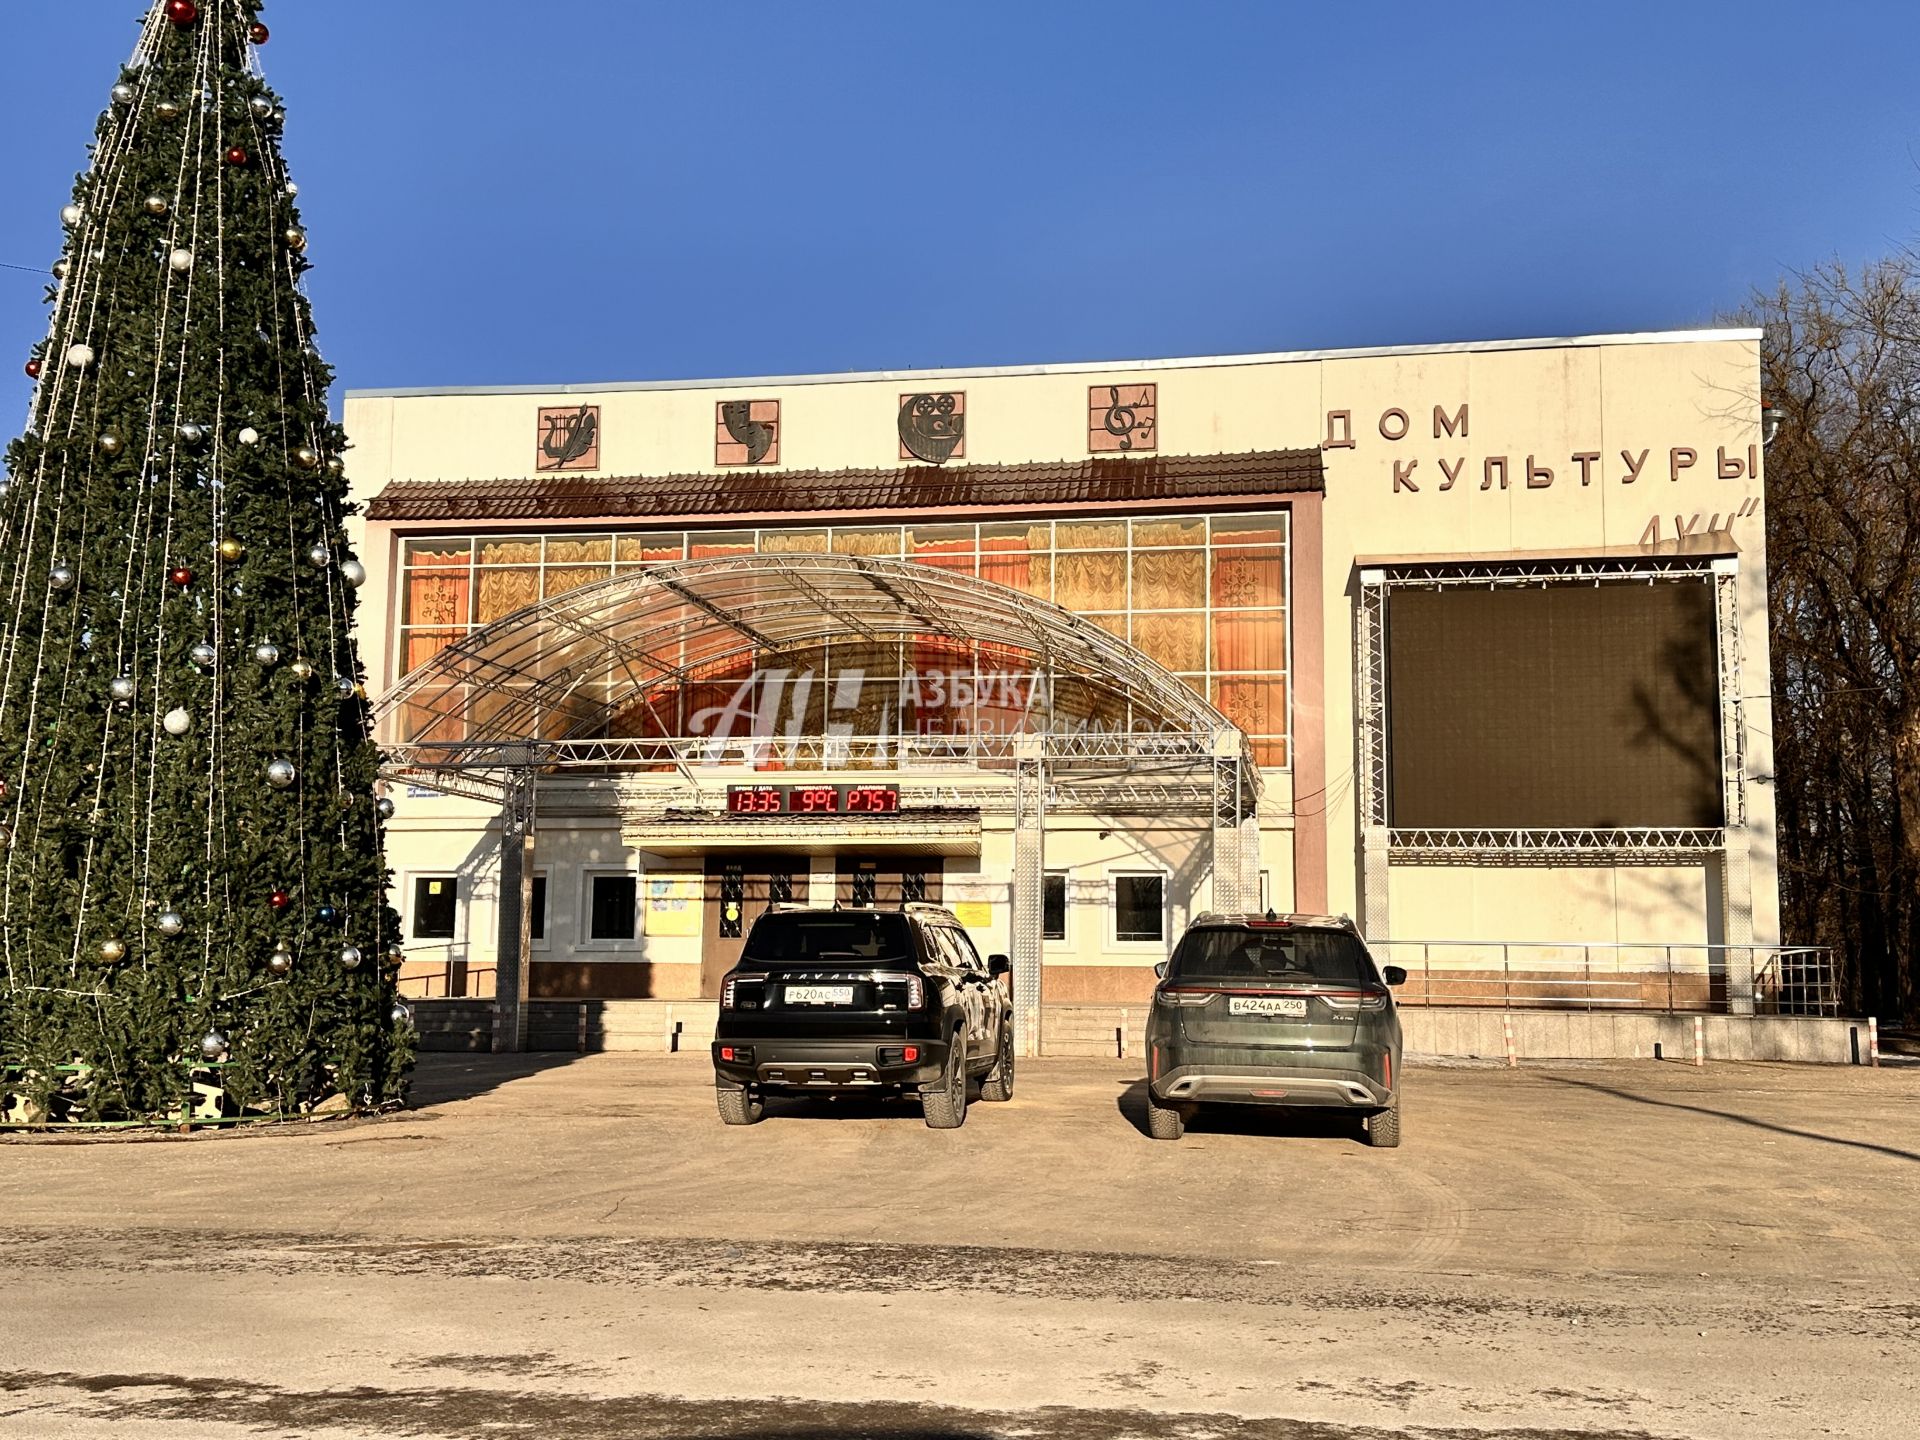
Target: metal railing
[(1592, 976)]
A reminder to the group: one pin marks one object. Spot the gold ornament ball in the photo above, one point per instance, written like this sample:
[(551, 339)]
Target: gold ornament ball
[(110, 443), (296, 240), (232, 549), (113, 950), (306, 457), (157, 205), (167, 110), (336, 467)]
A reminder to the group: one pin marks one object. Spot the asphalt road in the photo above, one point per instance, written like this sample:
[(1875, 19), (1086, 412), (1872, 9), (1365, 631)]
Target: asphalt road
[(571, 1248)]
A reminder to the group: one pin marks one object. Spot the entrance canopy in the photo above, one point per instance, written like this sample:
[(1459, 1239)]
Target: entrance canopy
[(796, 662)]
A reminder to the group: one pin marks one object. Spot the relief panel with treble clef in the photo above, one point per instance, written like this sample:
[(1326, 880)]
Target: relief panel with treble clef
[(1122, 418)]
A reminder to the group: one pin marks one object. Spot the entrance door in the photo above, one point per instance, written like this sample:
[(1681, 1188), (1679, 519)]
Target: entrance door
[(739, 890)]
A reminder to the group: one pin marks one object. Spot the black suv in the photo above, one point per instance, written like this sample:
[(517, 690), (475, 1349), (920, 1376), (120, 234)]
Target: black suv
[(875, 1001)]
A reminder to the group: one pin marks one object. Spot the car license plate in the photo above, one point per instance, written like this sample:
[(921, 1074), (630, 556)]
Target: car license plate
[(1266, 1005), (819, 994)]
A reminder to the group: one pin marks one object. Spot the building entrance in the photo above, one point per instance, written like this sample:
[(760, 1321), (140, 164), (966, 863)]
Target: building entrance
[(739, 890)]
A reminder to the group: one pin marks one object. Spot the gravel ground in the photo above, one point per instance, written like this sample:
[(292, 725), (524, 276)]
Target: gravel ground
[(561, 1247)]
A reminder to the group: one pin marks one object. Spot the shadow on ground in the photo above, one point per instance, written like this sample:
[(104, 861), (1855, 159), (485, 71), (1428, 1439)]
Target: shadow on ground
[(1299, 1124), (441, 1078), (1736, 1118)]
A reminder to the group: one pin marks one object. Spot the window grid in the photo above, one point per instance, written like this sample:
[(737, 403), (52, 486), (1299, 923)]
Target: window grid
[(454, 583)]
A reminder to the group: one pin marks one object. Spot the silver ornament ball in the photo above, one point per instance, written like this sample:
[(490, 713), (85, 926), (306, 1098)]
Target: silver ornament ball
[(191, 434), (281, 774), (204, 655), (249, 436), (171, 922), (292, 189), (261, 106), (60, 269), (350, 957), (344, 687), (353, 572), (214, 1045), (181, 261), (80, 356), (121, 687), (267, 653), (400, 1015), (61, 576), (177, 722), (123, 94), (383, 807), (72, 215), (319, 557)]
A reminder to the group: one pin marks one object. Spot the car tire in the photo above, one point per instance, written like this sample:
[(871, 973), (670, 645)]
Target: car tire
[(999, 1082), (739, 1105), (946, 1108), (1165, 1122), (1383, 1127)]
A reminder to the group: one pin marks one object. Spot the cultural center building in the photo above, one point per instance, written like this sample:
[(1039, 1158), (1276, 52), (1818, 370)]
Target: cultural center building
[(1468, 641)]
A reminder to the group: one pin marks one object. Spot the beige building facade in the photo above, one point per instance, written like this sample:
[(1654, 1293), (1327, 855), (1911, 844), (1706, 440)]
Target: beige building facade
[(1468, 641)]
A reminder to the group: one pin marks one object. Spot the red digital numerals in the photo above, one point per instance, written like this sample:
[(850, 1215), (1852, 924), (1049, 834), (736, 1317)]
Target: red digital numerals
[(754, 802), (815, 800), (872, 800)]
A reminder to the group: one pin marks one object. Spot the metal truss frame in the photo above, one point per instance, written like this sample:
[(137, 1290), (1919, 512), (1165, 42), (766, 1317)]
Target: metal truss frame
[(1380, 843)]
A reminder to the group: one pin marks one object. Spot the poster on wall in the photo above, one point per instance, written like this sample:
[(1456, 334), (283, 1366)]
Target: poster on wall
[(673, 905)]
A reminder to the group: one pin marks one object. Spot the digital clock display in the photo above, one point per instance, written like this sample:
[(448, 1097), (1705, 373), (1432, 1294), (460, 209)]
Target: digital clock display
[(813, 800)]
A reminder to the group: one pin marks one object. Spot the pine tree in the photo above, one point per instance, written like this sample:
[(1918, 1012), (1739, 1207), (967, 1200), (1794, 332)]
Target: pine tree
[(193, 884)]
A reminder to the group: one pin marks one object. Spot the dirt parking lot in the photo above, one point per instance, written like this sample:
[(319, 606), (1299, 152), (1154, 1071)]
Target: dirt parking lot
[(562, 1247)]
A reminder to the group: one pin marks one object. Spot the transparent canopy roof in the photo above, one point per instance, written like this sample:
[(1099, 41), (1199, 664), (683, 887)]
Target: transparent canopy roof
[(619, 658)]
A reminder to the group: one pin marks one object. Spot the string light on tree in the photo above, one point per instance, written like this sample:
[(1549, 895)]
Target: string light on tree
[(176, 340)]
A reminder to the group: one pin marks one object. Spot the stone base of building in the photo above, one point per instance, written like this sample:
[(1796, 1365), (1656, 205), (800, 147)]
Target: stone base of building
[(1116, 1032)]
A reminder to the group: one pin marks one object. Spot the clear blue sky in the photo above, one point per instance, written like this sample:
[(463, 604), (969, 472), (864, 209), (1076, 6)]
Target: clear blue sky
[(628, 189)]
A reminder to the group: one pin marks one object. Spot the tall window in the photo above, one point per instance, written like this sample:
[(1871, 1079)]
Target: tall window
[(537, 921), (1053, 906), (1139, 908), (1205, 596), (436, 907), (611, 906)]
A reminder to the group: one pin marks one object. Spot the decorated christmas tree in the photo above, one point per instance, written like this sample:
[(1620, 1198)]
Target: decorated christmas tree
[(193, 916)]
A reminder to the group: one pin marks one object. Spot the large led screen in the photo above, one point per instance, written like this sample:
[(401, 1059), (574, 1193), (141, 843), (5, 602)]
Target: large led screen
[(1553, 707)]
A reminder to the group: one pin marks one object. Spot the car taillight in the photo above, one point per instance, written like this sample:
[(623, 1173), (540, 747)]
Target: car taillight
[(1187, 999), (910, 1055), (1353, 1002), (916, 995), (729, 990)]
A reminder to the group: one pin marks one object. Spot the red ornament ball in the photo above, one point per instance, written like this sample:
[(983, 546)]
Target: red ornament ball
[(33, 369), (258, 33), (237, 155), (280, 899), (182, 12), (181, 576)]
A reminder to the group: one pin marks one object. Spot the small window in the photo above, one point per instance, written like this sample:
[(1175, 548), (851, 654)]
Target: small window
[(436, 907), (537, 922), (611, 907), (865, 887), (1053, 907), (913, 886), (1139, 908)]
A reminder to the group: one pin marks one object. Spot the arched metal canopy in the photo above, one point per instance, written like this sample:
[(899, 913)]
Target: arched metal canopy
[(569, 680)]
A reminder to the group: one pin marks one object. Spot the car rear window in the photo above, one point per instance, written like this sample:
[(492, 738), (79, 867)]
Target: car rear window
[(1292, 955), (829, 939)]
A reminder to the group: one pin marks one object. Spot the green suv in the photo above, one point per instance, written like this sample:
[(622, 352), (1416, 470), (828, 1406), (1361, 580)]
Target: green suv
[(1285, 1010)]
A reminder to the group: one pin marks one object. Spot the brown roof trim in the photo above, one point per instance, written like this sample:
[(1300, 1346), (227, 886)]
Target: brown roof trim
[(737, 494)]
